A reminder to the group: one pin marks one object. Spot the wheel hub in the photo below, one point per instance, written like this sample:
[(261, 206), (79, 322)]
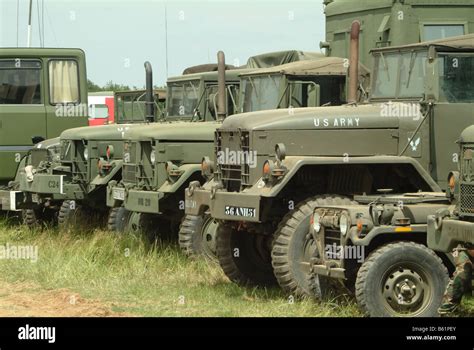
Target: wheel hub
[(209, 232), (404, 290)]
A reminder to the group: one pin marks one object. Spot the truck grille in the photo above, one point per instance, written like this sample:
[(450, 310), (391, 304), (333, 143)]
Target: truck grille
[(130, 167), (134, 171), (234, 176), (38, 156), (467, 199), (129, 173), (79, 163)]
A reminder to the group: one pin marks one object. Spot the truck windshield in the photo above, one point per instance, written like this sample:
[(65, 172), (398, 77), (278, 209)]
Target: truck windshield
[(130, 107), (261, 93), (183, 98), (20, 82), (399, 75), (456, 78)]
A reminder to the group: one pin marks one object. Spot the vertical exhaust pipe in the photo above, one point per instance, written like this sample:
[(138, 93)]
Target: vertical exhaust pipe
[(149, 102), (354, 63), (221, 97)]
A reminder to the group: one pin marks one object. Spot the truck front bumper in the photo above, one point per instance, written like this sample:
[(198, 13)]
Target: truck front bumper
[(135, 200), (43, 184), (11, 200), (223, 205)]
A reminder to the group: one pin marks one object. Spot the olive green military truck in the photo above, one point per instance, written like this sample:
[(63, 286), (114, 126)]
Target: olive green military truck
[(158, 155), (382, 246), (38, 87), (86, 159), (152, 189), (92, 157), (420, 100), (394, 23), (311, 83)]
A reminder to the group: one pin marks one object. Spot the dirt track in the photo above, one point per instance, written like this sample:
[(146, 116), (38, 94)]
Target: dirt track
[(26, 300)]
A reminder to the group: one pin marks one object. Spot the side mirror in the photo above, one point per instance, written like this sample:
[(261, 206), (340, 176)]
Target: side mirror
[(37, 139)]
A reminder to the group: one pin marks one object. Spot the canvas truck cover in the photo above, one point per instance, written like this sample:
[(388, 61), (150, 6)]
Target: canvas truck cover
[(281, 57)]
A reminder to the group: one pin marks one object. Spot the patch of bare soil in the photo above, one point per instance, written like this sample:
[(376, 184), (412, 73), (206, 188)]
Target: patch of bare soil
[(28, 300)]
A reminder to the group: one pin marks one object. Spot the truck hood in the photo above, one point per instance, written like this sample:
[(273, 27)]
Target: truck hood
[(50, 143), (176, 131), (98, 133), (367, 116)]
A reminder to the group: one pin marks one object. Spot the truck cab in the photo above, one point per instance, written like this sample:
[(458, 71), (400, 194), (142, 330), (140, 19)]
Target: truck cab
[(394, 23), (42, 93)]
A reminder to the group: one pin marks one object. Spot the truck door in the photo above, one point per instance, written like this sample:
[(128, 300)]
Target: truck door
[(454, 113), (22, 111)]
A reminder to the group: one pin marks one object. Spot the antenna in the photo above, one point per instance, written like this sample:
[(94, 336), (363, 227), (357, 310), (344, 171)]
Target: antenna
[(17, 21), (166, 39), (29, 25)]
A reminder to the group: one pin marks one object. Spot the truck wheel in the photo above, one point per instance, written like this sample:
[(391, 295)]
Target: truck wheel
[(401, 279), (73, 215), (197, 236), (294, 246), (117, 220), (145, 224), (31, 219), (245, 257), (39, 218)]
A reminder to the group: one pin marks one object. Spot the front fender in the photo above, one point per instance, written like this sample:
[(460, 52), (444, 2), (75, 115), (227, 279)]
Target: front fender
[(294, 164), (188, 171), (104, 180)]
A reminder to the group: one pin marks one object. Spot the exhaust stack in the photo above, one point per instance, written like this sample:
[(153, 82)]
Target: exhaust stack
[(149, 103), (354, 63), (221, 97)]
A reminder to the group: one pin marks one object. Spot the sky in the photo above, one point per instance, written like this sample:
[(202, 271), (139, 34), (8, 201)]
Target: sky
[(118, 36)]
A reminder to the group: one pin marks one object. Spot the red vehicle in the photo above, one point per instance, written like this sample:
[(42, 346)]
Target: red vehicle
[(101, 108)]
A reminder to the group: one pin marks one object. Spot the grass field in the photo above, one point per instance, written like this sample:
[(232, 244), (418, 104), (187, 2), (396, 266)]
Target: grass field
[(131, 277)]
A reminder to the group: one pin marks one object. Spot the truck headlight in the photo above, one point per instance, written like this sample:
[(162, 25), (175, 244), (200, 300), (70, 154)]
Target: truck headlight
[(316, 222), (207, 167), (153, 157), (344, 224), (86, 153)]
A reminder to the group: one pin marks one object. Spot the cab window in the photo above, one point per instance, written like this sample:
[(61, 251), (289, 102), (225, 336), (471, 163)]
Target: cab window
[(456, 78), (20, 82), (441, 31), (63, 82)]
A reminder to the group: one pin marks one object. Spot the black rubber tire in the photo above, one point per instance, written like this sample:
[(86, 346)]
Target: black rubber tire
[(292, 238), (77, 218), (250, 267), (400, 256), (39, 218), (193, 241), (117, 220), (31, 219)]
